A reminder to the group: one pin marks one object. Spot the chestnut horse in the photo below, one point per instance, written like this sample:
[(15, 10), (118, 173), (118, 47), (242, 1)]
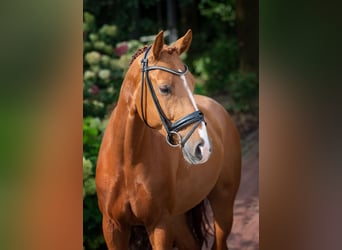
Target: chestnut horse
[(164, 151)]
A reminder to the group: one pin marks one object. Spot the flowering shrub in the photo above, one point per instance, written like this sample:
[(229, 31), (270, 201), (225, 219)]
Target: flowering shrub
[(88, 180)]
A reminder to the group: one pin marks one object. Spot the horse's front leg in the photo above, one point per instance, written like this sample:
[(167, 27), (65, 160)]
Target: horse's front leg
[(183, 236), (116, 235), (222, 203), (161, 235)]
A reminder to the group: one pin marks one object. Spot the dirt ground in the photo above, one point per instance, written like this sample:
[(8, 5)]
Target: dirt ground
[(245, 231)]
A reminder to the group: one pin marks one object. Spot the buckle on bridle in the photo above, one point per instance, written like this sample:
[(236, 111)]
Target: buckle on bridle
[(174, 139)]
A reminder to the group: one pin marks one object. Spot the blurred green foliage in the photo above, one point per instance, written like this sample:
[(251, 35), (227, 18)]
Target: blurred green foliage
[(224, 11), (244, 90), (213, 65), (112, 34), (126, 15)]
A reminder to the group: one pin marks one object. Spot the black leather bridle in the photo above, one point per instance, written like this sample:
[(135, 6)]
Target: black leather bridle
[(173, 138)]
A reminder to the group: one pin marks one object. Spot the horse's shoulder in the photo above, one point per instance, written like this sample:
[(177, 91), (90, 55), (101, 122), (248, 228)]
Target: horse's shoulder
[(202, 99), (207, 104), (216, 114)]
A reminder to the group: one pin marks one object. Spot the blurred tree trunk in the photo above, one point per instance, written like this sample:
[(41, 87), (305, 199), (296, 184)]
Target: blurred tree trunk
[(247, 13), (190, 17), (135, 19), (171, 20), (159, 14)]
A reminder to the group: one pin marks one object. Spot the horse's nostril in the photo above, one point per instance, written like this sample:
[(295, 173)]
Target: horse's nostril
[(198, 151)]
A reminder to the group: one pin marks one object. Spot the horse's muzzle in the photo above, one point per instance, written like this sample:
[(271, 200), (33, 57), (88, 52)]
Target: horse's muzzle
[(197, 153)]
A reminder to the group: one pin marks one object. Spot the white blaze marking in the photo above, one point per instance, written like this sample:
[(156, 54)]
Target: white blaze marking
[(191, 96), (206, 146), (203, 130)]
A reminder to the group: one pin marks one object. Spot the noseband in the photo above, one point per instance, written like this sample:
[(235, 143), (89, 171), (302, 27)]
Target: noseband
[(173, 138)]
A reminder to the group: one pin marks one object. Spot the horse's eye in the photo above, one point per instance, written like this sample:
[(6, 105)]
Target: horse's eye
[(165, 90)]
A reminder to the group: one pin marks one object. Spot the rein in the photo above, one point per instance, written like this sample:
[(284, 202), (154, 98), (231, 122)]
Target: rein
[(173, 138)]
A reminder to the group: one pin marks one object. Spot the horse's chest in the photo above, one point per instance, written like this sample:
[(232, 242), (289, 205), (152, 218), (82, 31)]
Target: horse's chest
[(150, 189)]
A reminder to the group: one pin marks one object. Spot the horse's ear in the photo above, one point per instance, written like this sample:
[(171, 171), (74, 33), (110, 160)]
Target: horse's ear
[(158, 45), (183, 43)]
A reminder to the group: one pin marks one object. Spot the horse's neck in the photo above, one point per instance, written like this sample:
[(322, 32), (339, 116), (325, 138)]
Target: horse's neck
[(129, 132)]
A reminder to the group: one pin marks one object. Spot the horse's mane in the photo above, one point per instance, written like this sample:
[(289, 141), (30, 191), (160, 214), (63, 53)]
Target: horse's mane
[(138, 53)]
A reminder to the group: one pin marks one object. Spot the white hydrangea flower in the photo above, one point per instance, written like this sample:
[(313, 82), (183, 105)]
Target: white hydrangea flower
[(104, 74), (93, 57)]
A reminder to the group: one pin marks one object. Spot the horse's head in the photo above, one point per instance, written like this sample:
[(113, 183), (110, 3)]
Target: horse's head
[(165, 100)]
